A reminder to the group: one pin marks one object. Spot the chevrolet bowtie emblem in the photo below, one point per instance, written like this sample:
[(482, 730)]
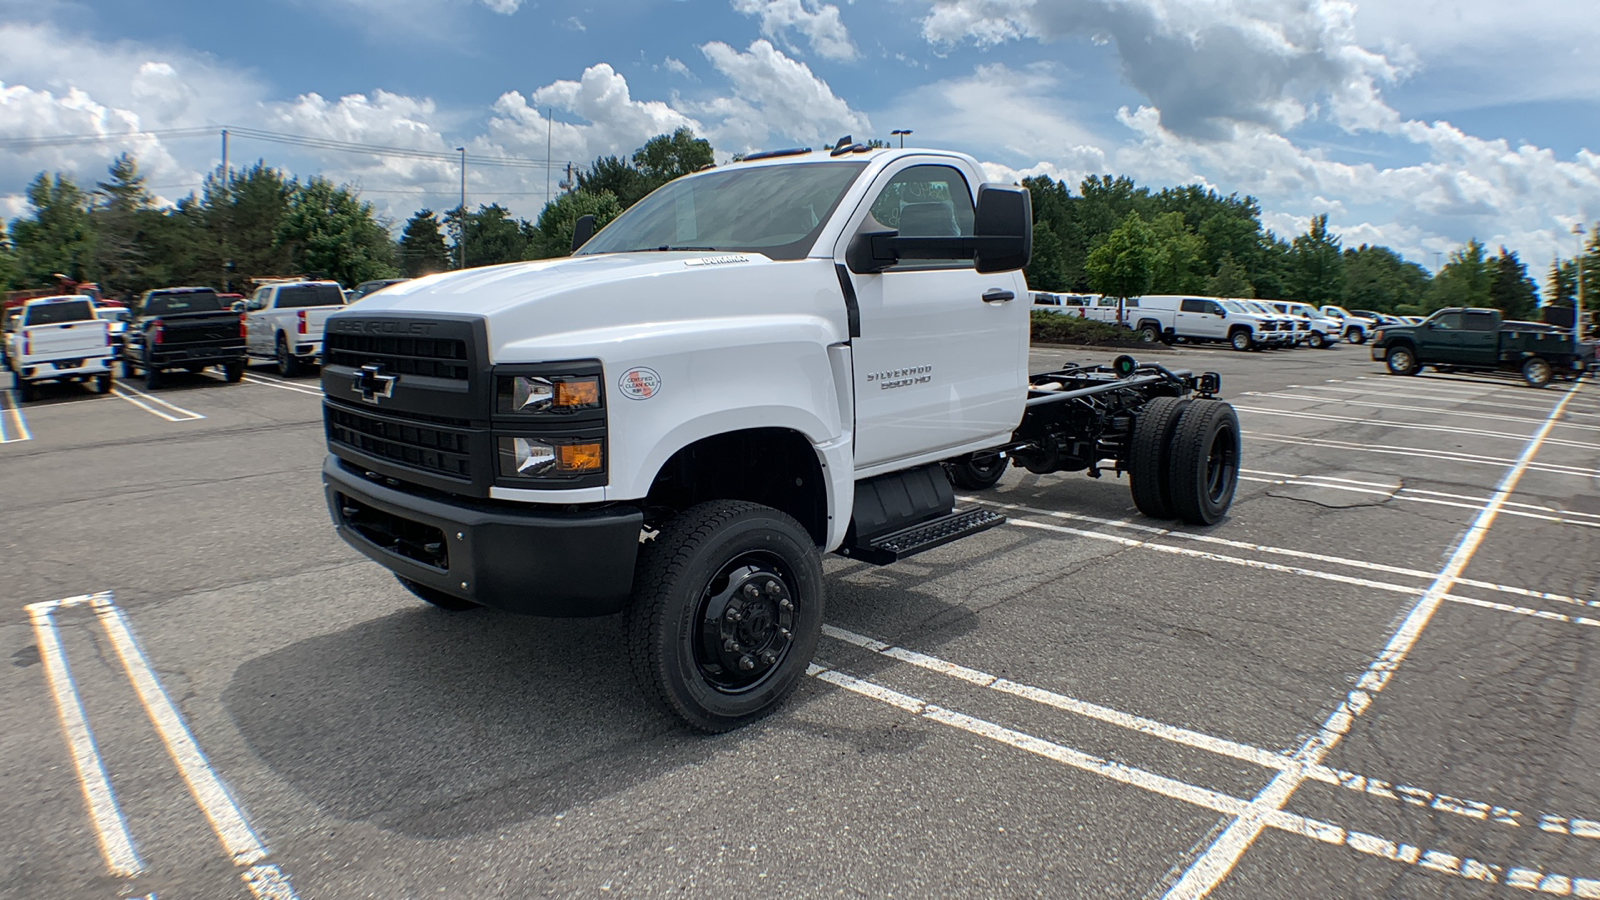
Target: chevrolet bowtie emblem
[(372, 384)]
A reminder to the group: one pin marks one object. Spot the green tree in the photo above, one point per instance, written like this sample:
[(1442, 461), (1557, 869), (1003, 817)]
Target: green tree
[(239, 220), (330, 232), (1378, 278), (1510, 289), (57, 236), (617, 176), (493, 236), (1045, 271), (1464, 280), (8, 260), (1122, 265), (123, 213), (422, 249), (668, 156), (1229, 280), (1177, 267), (557, 220), (1315, 266)]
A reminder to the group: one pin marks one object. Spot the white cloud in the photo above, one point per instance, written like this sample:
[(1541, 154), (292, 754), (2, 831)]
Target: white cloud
[(1019, 111), (818, 22), (773, 95), (503, 7), (677, 67), (1206, 66)]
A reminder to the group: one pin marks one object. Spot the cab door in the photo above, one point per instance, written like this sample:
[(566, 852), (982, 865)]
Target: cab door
[(941, 359), (1480, 338), (255, 323), (1440, 339)]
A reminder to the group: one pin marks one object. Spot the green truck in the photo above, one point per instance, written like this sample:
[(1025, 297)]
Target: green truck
[(1477, 339)]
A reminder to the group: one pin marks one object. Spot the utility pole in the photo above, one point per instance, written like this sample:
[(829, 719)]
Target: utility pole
[(225, 158), (549, 138), (1577, 304), (461, 223)]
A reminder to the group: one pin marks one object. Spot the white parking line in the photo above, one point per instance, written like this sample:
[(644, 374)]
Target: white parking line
[(1422, 453), (1219, 859), (110, 828), (138, 398), (1468, 399), (1415, 426), (9, 405), (1466, 414), (1223, 804), (281, 385), (1410, 495), (1280, 760)]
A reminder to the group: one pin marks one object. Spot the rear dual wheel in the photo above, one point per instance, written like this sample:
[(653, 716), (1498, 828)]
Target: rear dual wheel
[(1184, 462), (977, 471)]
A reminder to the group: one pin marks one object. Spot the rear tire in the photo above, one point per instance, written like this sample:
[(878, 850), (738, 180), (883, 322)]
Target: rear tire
[(26, 392), (1402, 361), (1149, 333), (975, 472), (1150, 456), (288, 366), (233, 372), (1205, 462), (1241, 339), (128, 369), (435, 596), (726, 613), (1537, 371), (102, 383), (152, 377)]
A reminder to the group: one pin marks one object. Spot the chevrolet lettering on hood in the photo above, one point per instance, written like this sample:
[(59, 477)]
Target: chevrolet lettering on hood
[(380, 326)]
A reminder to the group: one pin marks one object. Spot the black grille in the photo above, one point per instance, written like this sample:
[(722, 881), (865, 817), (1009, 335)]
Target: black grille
[(430, 357), (441, 450)]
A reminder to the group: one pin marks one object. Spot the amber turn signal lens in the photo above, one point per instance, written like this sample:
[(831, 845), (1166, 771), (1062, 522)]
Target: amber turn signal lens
[(578, 457), (577, 392)]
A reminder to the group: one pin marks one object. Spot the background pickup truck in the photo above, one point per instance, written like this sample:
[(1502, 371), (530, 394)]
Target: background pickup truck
[(1477, 339), (795, 354), (182, 328), (59, 339), (284, 321)]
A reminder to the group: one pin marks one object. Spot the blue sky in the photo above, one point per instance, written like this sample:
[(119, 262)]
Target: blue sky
[(1417, 124)]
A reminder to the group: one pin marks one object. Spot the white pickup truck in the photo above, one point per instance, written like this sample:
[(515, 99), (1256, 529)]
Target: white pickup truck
[(283, 322), (757, 364), (59, 339)]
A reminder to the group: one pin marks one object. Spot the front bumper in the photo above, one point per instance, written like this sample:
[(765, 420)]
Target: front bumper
[(1379, 354), (547, 561)]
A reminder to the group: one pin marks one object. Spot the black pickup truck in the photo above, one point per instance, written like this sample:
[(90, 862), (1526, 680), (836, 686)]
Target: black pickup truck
[(183, 328), (1477, 339)]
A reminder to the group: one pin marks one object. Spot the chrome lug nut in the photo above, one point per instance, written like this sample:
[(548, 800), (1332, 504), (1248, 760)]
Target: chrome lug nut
[(768, 658), (746, 663), (785, 604), (752, 591), (733, 615), (731, 646), (774, 588)]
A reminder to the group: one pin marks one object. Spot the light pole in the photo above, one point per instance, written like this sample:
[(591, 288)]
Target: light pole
[(902, 132), (461, 245), (1577, 304)]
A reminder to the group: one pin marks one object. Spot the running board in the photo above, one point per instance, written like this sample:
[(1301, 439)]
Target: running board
[(881, 551)]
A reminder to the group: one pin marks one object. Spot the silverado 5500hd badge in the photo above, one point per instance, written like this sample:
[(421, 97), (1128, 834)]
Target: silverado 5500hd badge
[(894, 378)]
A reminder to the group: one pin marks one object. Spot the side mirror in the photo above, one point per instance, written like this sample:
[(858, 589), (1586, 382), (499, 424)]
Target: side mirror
[(1002, 239), (582, 230), (238, 306)]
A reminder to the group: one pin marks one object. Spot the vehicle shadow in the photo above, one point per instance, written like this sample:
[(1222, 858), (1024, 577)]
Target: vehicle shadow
[(175, 380)]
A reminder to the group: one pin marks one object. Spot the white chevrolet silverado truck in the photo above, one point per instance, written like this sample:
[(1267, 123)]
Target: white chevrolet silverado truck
[(760, 363), (59, 339)]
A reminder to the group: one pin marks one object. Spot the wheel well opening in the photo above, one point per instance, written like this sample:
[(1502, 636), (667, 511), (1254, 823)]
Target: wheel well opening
[(775, 467)]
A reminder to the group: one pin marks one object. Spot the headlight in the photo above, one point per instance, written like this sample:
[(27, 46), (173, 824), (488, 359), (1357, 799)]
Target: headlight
[(534, 394), (526, 457)]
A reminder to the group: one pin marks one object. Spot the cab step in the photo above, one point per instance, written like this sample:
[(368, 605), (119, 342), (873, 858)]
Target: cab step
[(895, 546)]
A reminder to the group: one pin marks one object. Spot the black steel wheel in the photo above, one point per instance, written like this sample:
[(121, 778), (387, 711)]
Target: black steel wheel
[(726, 613), (976, 471), (1537, 371), (1402, 360), (1205, 462), (435, 596), (288, 365), (1149, 459)]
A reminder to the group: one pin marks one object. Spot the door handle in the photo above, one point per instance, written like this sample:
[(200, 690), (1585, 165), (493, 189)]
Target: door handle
[(996, 295)]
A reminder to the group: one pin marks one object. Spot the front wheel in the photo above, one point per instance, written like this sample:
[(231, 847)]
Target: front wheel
[(1317, 340), (1401, 361), (1537, 372), (1242, 340), (726, 613), (976, 472), (1356, 336)]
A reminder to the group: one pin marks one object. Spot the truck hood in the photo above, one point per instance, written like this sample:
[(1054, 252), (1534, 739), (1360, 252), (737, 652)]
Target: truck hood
[(493, 289)]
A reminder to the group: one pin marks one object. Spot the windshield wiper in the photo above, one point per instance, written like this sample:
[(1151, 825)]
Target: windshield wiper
[(664, 247)]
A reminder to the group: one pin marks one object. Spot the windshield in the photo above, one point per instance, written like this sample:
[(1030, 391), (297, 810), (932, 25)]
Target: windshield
[(186, 302), (1233, 306), (298, 296), (60, 311), (773, 210), (112, 315)]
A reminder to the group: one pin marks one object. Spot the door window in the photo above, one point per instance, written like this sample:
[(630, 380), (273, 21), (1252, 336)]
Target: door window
[(927, 201), (1480, 321), (1448, 321), (1194, 306)]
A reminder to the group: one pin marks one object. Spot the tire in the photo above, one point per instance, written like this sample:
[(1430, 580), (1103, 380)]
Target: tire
[(152, 377), (1149, 333), (975, 472), (128, 369), (288, 365), (1150, 457), (1241, 339), (1537, 371), (1355, 336), (708, 634), (233, 372), (435, 597), (102, 383), (26, 392), (1402, 360), (1205, 462)]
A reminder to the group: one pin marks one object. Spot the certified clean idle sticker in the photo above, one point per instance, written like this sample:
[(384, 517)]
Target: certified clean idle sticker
[(639, 383)]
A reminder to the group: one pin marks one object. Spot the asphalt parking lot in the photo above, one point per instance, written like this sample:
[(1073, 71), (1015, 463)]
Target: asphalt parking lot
[(1377, 677)]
